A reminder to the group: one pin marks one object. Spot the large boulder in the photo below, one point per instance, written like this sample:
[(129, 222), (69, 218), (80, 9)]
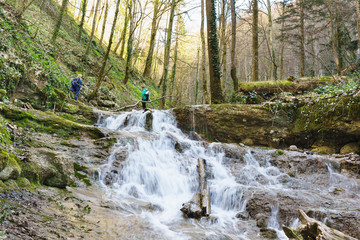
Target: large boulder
[(9, 168), (236, 123), (50, 168)]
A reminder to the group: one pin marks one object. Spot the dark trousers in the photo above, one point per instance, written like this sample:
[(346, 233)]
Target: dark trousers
[(77, 91), (144, 105)]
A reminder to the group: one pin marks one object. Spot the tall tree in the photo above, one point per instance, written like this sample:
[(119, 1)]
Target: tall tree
[(59, 20), (163, 81), (93, 27), (154, 29), (223, 42), (83, 14), (213, 54), (271, 41), (25, 5), (302, 38), (358, 24), (255, 41), (130, 42), (203, 54), (233, 46), (179, 27), (123, 37), (104, 23), (106, 56)]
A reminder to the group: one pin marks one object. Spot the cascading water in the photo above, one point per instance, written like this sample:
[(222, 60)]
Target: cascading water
[(158, 174)]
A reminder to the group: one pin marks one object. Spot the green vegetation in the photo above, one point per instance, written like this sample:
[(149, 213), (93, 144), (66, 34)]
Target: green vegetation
[(250, 86)]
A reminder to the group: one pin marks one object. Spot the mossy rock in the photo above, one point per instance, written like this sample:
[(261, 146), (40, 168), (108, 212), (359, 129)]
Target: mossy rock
[(350, 148), (24, 183), (70, 108), (9, 167), (5, 138), (48, 122), (2, 94), (60, 94)]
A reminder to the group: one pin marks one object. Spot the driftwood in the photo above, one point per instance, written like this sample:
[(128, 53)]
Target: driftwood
[(200, 205), (134, 105), (313, 229), (291, 85), (204, 188)]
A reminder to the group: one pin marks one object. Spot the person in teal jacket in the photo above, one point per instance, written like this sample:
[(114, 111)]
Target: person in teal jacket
[(144, 97)]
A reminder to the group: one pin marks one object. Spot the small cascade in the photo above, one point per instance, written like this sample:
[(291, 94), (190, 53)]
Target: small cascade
[(154, 170)]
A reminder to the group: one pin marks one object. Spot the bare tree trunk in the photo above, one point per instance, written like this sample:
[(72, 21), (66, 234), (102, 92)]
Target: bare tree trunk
[(91, 12), (104, 23), (123, 32), (83, 10), (302, 38), (333, 38), (100, 17), (93, 28), (203, 55), (358, 25), (173, 74), (273, 57), (154, 28), (23, 8), (59, 21), (102, 70), (255, 42), (129, 43), (223, 42), (167, 54), (233, 46), (197, 76), (213, 54), (282, 42), (123, 37)]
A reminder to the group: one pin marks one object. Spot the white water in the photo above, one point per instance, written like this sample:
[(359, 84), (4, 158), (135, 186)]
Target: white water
[(155, 180)]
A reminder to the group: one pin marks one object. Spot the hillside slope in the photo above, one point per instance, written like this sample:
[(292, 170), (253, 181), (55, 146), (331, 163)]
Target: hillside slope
[(36, 71)]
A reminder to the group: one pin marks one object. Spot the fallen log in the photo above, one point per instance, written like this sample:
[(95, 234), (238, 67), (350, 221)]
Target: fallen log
[(291, 85), (134, 105), (313, 229)]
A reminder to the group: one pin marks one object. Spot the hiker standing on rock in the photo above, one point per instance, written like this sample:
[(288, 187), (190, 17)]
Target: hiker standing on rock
[(76, 84), (145, 97)]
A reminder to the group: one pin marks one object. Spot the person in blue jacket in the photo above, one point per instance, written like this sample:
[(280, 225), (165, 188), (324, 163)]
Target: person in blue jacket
[(76, 84), (144, 97)]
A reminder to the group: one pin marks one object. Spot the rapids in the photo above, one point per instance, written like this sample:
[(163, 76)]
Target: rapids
[(159, 174)]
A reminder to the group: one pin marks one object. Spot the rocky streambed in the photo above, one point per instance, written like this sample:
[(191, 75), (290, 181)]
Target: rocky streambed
[(267, 189)]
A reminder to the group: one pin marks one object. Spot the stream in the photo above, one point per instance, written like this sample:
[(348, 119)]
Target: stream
[(153, 171)]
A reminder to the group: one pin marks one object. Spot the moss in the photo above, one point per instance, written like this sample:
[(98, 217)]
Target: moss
[(326, 113), (48, 122), (2, 94), (280, 152), (5, 138), (9, 164), (24, 183), (250, 86), (31, 171)]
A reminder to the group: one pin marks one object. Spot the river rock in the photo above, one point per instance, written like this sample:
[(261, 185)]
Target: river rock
[(51, 168), (9, 168), (192, 208), (350, 148)]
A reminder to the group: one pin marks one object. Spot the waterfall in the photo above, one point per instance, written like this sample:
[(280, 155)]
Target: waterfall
[(152, 171)]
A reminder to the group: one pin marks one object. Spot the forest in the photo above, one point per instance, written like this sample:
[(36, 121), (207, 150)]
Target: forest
[(180, 119), (199, 52)]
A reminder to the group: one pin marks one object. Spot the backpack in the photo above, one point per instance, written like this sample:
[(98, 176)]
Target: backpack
[(147, 96)]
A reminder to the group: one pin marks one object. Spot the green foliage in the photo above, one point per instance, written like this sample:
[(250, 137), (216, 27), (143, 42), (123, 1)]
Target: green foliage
[(5, 137), (251, 86)]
